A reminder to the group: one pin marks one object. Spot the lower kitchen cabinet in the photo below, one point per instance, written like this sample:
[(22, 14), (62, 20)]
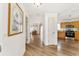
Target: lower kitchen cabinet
[(61, 35), (76, 35)]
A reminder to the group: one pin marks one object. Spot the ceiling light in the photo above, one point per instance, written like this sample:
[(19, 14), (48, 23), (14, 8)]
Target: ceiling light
[(37, 4)]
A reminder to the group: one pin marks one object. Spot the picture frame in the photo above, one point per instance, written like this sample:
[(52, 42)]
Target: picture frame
[(15, 19)]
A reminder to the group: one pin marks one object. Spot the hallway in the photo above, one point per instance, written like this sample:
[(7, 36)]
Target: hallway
[(66, 49), (36, 40), (36, 48), (27, 29)]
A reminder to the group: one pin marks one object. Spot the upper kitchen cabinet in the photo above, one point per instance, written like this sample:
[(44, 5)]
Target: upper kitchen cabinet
[(75, 23)]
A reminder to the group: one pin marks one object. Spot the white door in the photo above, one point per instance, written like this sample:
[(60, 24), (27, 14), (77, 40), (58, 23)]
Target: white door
[(51, 29)]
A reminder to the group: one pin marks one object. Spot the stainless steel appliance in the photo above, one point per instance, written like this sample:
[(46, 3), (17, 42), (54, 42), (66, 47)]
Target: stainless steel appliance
[(69, 33)]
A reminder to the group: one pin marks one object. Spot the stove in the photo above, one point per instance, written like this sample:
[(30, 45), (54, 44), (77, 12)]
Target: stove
[(69, 33)]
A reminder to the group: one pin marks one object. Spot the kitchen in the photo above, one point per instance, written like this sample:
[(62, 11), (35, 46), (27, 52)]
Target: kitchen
[(75, 28), (68, 31)]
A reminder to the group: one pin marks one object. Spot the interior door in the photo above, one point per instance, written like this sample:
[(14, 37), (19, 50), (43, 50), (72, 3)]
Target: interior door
[(52, 29)]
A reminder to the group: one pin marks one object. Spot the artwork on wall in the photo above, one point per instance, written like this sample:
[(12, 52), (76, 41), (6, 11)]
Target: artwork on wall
[(15, 19)]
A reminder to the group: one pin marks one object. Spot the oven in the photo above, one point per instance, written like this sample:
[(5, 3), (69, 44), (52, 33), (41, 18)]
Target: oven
[(69, 33)]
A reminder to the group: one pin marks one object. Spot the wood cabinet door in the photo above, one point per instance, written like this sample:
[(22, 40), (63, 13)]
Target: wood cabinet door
[(61, 35), (77, 35)]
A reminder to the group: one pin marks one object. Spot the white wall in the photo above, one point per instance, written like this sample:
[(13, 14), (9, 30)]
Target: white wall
[(37, 19), (74, 15), (1, 25), (28, 31), (12, 45)]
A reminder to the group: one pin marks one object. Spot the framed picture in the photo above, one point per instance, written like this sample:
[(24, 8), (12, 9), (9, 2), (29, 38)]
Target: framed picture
[(15, 19)]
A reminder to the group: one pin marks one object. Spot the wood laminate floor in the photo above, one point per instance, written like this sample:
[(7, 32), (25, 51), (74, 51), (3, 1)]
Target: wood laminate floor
[(64, 48)]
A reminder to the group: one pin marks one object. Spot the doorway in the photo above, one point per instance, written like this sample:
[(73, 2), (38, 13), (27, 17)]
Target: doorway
[(36, 35)]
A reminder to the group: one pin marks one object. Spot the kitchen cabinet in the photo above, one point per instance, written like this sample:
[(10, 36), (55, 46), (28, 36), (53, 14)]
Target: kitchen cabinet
[(76, 35), (75, 24), (61, 35)]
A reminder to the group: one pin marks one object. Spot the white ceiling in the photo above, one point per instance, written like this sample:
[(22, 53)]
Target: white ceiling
[(50, 7)]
